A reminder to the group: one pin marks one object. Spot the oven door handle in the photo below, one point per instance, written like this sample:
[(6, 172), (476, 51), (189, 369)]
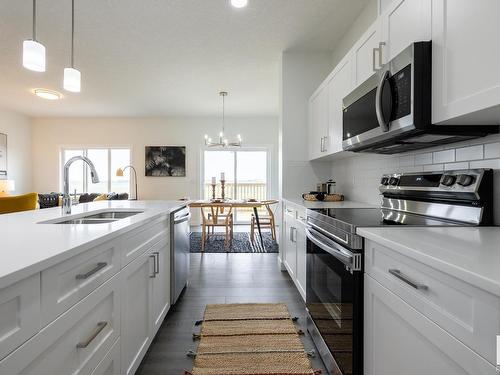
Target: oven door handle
[(346, 257)]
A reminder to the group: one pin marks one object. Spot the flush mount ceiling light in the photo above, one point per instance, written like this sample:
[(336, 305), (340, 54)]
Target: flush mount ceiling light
[(47, 94), (72, 77), (33, 51), (239, 3), (223, 142)]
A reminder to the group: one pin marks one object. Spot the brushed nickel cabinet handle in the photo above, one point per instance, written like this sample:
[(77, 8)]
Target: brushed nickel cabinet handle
[(93, 335), (380, 49), (83, 276), (157, 262), (154, 266), (414, 284), (374, 59)]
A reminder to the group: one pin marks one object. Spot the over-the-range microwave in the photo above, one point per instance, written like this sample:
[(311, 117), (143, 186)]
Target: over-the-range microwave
[(391, 111)]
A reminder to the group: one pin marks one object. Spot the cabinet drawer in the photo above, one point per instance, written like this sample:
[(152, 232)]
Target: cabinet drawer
[(76, 342), (19, 313), (466, 312), (67, 283), (139, 240), (110, 365), (400, 340)]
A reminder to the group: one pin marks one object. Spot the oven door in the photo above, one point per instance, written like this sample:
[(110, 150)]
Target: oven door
[(334, 301)]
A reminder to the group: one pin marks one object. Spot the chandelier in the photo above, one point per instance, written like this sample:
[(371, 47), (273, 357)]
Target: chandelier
[(222, 142)]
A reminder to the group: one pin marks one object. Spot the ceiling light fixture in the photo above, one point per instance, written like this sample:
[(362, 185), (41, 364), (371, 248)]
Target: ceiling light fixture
[(33, 51), (47, 94), (223, 142), (239, 3), (72, 77)]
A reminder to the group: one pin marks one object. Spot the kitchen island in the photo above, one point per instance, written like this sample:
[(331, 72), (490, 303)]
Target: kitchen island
[(83, 298)]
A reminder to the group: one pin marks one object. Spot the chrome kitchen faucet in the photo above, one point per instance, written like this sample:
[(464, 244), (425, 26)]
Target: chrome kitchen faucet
[(66, 204)]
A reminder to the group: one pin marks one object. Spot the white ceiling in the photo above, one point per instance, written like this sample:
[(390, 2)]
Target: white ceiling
[(163, 57)]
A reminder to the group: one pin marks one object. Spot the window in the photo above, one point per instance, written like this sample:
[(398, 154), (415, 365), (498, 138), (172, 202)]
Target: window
[(106, 162), (245, 173)]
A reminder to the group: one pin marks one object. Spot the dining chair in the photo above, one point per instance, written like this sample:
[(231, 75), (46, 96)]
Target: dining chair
[(213, 216), (267, 220)]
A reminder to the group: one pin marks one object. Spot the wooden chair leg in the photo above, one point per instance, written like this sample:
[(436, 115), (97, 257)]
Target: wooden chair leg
[(273, 230)]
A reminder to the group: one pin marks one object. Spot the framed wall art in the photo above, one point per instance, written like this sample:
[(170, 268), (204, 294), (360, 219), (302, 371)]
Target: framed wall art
[(165, 161)]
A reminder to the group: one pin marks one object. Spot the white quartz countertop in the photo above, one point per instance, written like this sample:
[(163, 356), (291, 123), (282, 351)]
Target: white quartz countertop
[(469, 254), (27, 247), (318, 204)]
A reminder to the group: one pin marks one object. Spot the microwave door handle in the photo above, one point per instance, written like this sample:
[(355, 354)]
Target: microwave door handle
[(347, 259), (384, 125)]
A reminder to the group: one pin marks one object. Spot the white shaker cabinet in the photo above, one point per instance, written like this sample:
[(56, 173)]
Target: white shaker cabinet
[(400, 340), (404, 22), (466, 51), (137, 305), (19, 313), (301, 244), (290, 246), (339, 86), (161, 283), (366, 54), (318, 123)]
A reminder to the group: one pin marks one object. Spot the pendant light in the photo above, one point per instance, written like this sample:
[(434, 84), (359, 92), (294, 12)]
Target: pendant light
[(223, 142), (33, 51), (72, 76)]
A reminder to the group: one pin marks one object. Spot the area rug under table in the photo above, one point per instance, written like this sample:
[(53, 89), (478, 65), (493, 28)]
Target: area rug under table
[(250, 339), (241, 244)]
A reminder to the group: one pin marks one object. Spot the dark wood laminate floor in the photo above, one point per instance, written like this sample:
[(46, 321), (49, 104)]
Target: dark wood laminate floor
[(220, 278)]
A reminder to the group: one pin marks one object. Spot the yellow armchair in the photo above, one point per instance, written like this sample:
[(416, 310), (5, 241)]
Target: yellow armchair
[(16, 203)]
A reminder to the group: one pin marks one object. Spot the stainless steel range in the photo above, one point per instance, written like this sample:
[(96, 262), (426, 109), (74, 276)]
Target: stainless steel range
[(334, 296)]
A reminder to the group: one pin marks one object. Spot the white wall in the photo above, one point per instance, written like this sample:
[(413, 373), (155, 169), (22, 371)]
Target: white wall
[(18, 130), (50, 134), (301, 73), (358, 177)]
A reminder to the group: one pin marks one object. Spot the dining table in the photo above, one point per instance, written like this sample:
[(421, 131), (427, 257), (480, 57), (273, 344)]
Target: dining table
[(235, 203)]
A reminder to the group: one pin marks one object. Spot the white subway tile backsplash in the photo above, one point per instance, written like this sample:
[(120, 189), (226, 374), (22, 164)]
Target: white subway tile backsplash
[(491, 163), (406, 161), (433, 167), (422, 159), (456, 166), (445, 156), (492, 150), (469, 153)]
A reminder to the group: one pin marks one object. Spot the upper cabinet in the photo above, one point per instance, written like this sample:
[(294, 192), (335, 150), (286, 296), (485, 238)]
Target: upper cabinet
[(339, 86), (465, 49), (404, 22), (366, 54), (318, 123)]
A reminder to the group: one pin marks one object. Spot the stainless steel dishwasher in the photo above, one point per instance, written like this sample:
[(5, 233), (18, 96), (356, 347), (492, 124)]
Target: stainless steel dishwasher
[(179, 256)]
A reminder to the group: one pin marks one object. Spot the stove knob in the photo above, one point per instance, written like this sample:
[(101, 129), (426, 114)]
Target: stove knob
[(465, 179), (393, 181), (448, 180), (384, 181)]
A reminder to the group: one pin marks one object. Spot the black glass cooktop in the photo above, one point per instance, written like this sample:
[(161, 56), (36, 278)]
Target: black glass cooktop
[(376, 217)]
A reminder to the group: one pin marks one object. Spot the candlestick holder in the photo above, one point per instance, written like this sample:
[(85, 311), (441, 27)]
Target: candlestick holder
[(213, 191), (222, 187)]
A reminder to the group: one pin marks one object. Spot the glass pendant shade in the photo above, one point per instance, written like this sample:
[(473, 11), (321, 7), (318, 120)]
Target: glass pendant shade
[(72, 79), (34, 55)]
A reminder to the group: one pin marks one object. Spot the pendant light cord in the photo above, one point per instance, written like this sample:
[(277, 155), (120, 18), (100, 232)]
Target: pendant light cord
[(223, 114), (72, 31), (34, 20)]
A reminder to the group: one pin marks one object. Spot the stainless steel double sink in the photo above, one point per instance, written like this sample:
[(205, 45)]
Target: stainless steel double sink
[(103, 217)]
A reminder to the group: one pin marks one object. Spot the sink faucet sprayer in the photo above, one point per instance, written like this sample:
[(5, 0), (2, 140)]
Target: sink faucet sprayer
[(93, 173)]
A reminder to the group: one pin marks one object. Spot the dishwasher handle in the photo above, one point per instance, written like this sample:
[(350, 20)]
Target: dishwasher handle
[(182, 219)]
